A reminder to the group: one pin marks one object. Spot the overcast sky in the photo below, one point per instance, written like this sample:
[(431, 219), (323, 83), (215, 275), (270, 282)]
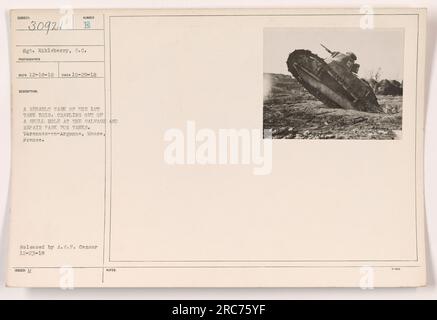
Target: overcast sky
[(382, 48)]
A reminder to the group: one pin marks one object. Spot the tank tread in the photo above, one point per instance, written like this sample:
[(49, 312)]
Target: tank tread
[(328, 102)]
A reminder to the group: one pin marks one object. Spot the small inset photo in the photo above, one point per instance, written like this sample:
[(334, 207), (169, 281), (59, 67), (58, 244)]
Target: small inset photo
[(333, 83)]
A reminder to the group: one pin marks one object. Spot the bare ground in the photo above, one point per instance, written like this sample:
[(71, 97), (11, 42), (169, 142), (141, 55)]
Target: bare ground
[(293, 113)]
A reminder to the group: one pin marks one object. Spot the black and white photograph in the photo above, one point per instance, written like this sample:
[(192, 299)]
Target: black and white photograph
[(333, 83), (139, 159)]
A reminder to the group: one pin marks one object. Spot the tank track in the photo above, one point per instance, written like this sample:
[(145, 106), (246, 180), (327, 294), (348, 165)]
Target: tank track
[(328, 102)]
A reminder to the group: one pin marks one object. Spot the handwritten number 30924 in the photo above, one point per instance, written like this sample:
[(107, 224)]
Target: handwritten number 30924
[(44, 26)]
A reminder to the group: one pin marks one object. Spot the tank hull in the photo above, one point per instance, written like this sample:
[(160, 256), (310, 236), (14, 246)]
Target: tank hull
[(332, 83)]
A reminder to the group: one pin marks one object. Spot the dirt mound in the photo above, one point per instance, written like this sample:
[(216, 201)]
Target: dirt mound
[(293, 113)]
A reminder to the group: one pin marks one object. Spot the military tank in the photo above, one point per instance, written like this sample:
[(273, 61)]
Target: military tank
[(333, 80)]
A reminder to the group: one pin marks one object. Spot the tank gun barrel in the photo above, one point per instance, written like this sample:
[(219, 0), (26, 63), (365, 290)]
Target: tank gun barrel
[(329, 51)]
